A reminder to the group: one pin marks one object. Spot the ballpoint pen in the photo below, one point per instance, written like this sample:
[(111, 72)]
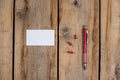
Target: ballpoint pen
[(85, 42)]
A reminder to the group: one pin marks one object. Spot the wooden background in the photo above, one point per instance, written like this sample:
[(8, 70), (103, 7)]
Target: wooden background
[(110, 40), (66, 17)]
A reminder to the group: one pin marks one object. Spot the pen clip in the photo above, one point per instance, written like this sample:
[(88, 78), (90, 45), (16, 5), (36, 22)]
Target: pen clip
[(87, 36)]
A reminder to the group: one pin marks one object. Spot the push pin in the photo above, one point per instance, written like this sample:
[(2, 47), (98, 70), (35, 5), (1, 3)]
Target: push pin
[(75, 36), (69, 43), (70, 52)]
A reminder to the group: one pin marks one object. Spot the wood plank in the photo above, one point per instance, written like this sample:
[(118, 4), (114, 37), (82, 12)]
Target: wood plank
[(73, 15), (110, 40), (6, 30), (35, 63)]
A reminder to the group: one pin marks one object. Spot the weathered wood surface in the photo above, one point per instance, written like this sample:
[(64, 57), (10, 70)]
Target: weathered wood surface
[(40, 63), (73, 15), (35, 63), (110, 40), (6, 30)]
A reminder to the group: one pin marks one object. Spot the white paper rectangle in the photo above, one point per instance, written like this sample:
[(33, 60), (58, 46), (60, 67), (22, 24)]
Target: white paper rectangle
[(40, 37)]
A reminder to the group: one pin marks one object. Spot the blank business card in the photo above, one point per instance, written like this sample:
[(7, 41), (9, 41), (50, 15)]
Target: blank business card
[(40, 37)]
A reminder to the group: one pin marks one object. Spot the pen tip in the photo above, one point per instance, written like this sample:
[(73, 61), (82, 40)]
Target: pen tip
[(85, 66)]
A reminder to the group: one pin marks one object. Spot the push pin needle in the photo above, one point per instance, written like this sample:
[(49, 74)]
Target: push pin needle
[(85, 42)]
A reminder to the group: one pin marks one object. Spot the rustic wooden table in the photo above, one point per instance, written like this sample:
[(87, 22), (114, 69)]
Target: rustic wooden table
[(64, 60)]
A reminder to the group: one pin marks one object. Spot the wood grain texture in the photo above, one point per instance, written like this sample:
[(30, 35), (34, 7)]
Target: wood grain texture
[(35, 63), (73, 15), (6, 26), (110, 40)]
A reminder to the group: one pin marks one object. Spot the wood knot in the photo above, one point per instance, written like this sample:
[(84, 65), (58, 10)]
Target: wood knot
[(65, 32), (75, 3), (23, 12), (65, 29), (117, 71)]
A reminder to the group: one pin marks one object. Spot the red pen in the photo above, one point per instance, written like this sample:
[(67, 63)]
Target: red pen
[(85, 42)]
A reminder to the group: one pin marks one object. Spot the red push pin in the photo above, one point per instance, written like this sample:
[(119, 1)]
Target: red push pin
[(75, 36), (69, 43), (70, 52)]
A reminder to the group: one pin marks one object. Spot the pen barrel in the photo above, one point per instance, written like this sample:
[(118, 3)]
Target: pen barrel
[(84, 45)]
